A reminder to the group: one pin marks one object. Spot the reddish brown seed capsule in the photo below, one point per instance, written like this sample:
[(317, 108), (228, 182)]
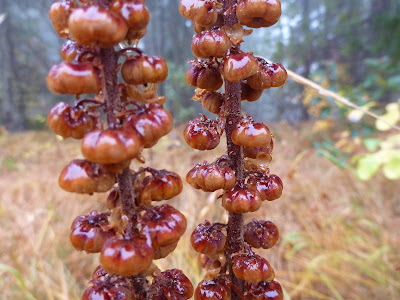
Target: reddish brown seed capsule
[(191, 177), (144, 69), (208, 238), (261, 80), (203, 12), (72, 122), (213, 177), (250, 94), (204, 76), (111, 146), (235, 67), (241, 200), (202, 134), (163, 252), (269, 290), (126, 257), (70, 50), (151, 123), (252, 268), (161, 186), (135, 34), (99, 272), (219, 23), (279, 75), (87, 232), (68, 78), (59, 14), (261, 234), (108, 292), (258, 13), (135, 13), (212, 101), (268, 75), (211, 43), (171, 284), (270, 187), (257, 152), (96, 26), (248, 133), (84, 177), (164, 225), (218, 288)]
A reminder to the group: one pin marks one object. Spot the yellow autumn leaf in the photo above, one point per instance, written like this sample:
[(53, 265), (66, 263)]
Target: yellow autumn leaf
[(390, 118), (321, 125)]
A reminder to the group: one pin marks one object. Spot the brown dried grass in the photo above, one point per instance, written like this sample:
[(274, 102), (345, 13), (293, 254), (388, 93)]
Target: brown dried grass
[(339, 236)]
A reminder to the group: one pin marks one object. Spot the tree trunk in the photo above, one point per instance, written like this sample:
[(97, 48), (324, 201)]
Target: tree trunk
[(12, 112)]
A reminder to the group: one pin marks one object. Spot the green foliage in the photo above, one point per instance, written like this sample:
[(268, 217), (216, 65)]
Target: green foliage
[(179, 94), (382, 77), (384, 153), (328, 150), (37, 122)]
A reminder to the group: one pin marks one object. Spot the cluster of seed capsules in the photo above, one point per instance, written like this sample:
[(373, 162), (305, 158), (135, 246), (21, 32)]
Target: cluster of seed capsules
[(133, 232), (218, 56)]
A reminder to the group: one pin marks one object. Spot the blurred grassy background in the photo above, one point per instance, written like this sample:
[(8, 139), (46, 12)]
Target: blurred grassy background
[(339, 236)]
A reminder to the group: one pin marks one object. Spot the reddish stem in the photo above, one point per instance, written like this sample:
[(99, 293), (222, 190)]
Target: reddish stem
[(233, 109), (109, 60)]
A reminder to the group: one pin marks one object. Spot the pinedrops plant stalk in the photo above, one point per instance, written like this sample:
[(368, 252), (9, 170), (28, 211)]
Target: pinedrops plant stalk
[(134, 231), (234, 271)]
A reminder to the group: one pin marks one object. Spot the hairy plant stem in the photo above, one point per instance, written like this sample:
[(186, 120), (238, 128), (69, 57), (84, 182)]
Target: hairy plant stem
[(109, 61), (233, 109)]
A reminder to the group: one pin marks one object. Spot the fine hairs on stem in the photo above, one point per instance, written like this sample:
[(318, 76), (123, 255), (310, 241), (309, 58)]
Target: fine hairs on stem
[(234, 271), (134, 231)]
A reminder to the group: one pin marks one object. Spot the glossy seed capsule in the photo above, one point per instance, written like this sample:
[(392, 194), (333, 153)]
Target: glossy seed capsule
[(241, 199), (203, 12), (251, 134), (261, 234), (252, 268), (96, 26), (111, 146), (144, 69), (171, 284), (208, 239), (164, 225), (258, 13), (235, 67), (74, 78), (265, 290), (217, 288), (202, 134), (84, 177), (204, 77), (211, 43), (87, 232), (126, 256), (270, 187)]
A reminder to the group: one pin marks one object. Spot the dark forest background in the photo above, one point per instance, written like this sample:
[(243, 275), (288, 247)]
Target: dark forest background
[(351, 47)]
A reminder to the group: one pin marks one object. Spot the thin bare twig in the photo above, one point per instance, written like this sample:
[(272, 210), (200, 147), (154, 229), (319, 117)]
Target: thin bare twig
[(327, 93)]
